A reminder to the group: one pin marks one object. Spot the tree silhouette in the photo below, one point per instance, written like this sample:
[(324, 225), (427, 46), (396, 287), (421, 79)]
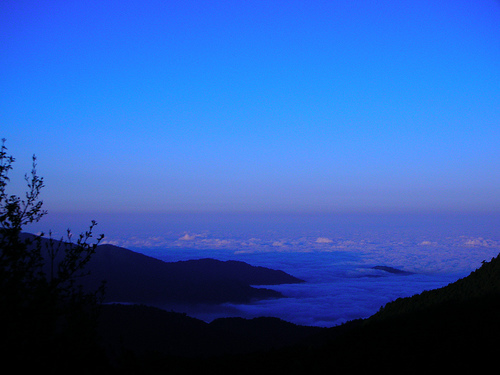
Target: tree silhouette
[(46, 317)]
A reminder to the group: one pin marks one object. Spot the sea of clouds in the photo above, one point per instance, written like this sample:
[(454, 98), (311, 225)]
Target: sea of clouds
[(334, 254)]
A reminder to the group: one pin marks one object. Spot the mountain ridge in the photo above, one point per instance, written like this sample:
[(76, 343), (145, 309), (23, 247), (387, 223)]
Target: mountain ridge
[(132, 277)]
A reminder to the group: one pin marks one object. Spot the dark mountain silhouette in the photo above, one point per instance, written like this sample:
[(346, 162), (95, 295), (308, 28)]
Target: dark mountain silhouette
[(136, 278), (483, 283), (392, 270), (144, 330)]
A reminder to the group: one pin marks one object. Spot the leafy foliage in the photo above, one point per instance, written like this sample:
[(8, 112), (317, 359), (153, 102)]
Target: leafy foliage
[(44, 312)]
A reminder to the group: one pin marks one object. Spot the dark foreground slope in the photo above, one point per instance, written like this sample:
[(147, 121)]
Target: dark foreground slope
[(455, 328), (144, 330)]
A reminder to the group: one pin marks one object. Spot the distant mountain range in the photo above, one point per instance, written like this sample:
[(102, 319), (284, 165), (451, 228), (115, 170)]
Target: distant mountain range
[(132, 277), (137, 278)]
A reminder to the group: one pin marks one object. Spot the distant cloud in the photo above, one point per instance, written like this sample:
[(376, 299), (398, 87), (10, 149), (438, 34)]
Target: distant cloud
[(323, 240), (427, 243), (217, 242), (278, 244), (477, 242), (187, 237)]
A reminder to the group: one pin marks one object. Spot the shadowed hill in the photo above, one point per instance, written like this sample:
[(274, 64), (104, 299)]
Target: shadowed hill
[(136, 278), (483, 283), (144, 330)]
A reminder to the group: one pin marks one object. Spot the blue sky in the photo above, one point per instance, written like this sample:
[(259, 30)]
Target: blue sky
[(153, 106)]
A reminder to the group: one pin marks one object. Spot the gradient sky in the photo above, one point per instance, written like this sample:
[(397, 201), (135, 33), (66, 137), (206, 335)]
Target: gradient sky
[(254, 105)]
